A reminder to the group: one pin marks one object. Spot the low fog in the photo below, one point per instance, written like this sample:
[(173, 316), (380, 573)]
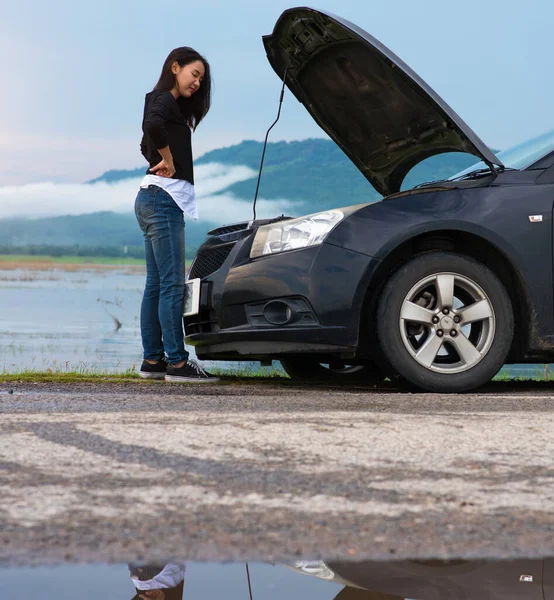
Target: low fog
[(214, 204)]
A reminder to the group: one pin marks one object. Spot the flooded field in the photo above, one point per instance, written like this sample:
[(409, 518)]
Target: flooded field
[(70, 318), (85, 318), (73, 318)]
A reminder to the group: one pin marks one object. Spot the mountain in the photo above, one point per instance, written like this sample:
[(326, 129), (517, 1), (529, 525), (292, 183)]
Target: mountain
[(101, 229), (72, 230), (315, 173), (318, 173), (119, 175)]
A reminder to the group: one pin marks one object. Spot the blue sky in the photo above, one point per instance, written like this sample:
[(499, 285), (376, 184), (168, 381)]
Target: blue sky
[(75, 74)]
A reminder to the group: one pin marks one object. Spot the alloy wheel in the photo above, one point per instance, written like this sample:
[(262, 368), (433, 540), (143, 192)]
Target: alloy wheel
[(447, 323)]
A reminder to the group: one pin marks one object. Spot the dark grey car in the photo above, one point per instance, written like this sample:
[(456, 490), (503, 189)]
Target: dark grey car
[(523, 579), (440, 284)]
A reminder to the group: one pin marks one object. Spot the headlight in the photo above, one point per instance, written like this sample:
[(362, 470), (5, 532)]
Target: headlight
[(296, 233), (314, 568)]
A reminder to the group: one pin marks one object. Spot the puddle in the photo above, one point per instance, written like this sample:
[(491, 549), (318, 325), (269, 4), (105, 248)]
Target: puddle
[(303, 580)]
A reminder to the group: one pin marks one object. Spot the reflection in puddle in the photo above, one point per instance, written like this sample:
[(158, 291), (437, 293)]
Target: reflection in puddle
[(158, 582), (437, 580), (330, 580)]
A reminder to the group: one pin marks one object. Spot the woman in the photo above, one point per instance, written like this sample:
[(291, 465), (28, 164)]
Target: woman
[(176, 106)]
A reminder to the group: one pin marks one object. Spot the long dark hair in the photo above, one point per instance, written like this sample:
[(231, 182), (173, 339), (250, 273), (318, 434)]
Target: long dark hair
[(195, 108)]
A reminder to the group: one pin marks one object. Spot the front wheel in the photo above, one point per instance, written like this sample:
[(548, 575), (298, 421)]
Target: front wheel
[(445, 322), (309, 369)]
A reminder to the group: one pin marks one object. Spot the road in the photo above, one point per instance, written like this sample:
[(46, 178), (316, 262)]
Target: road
[(272, 472)]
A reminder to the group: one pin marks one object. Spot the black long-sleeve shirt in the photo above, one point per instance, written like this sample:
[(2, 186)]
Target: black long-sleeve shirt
[(164, 125)]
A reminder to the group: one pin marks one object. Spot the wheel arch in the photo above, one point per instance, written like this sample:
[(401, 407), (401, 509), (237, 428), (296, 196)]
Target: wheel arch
[(460, 242)]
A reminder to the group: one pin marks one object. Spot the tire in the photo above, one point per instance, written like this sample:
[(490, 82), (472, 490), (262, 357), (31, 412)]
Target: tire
[(445, 323), (309, 369)]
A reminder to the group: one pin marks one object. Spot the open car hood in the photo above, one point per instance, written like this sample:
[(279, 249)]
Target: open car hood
[(382, 115)]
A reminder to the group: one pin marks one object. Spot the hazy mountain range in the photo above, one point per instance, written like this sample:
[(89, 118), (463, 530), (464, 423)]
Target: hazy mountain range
[(315, 174)]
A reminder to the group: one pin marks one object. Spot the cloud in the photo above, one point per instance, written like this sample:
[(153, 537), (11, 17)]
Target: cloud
[(211, 180)]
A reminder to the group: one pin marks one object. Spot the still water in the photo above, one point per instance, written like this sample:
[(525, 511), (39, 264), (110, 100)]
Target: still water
[(303, 580), (87, 320), (199, 581), (81, 320), (66, 320)]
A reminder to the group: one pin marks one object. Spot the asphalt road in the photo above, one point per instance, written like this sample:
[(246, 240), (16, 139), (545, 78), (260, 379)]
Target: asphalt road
[(153, 471)]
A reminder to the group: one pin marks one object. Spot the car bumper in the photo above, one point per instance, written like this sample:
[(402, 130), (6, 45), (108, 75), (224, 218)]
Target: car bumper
[(305, 301)]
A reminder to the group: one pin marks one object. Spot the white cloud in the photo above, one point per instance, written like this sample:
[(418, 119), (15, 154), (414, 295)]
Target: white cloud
[(214, 177), (55, 199)]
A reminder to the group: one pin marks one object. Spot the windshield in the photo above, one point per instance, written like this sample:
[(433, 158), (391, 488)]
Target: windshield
[(520, 156)]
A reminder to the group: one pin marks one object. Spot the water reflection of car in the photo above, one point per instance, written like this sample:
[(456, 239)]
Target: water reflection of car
[(440, 284), (437, 580)]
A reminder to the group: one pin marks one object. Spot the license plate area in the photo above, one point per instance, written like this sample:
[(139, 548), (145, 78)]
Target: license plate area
[(192, 298)]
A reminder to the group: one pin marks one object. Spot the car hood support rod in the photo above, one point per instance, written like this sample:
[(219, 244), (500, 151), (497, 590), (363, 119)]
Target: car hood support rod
[(265, 143)]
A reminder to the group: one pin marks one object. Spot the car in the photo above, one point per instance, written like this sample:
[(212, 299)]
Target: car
[(524, 579), (437, 286)]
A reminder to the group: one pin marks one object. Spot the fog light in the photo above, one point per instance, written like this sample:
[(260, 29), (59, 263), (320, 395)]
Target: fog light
[(290, 311), (277, 312)]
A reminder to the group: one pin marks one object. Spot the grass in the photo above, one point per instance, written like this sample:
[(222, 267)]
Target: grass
[(68, 263), (84, 373), (541, 373), (105, 260), (25, 259), (66, 370), (71, 377), (71, 263)]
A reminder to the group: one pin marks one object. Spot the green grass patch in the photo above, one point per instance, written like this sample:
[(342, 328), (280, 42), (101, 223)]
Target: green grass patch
[(92, 374), (253, 373), (68, 372), (72, 377), (238, 376), (24, 261), (539, 373), (72, 260)]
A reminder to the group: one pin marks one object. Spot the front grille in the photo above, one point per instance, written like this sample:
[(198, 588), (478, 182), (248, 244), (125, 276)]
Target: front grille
[(209, 260), (228, 229)]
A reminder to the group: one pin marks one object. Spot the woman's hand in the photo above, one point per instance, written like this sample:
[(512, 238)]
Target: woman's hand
[(164, 168)]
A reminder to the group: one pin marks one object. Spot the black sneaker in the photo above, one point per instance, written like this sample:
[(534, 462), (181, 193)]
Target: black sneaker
[(191, 371), (153, 371)]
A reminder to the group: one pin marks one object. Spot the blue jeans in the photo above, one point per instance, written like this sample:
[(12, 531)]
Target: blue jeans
[(161, 312)]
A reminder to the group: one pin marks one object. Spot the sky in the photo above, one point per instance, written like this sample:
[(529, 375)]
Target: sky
[(75, 73)]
